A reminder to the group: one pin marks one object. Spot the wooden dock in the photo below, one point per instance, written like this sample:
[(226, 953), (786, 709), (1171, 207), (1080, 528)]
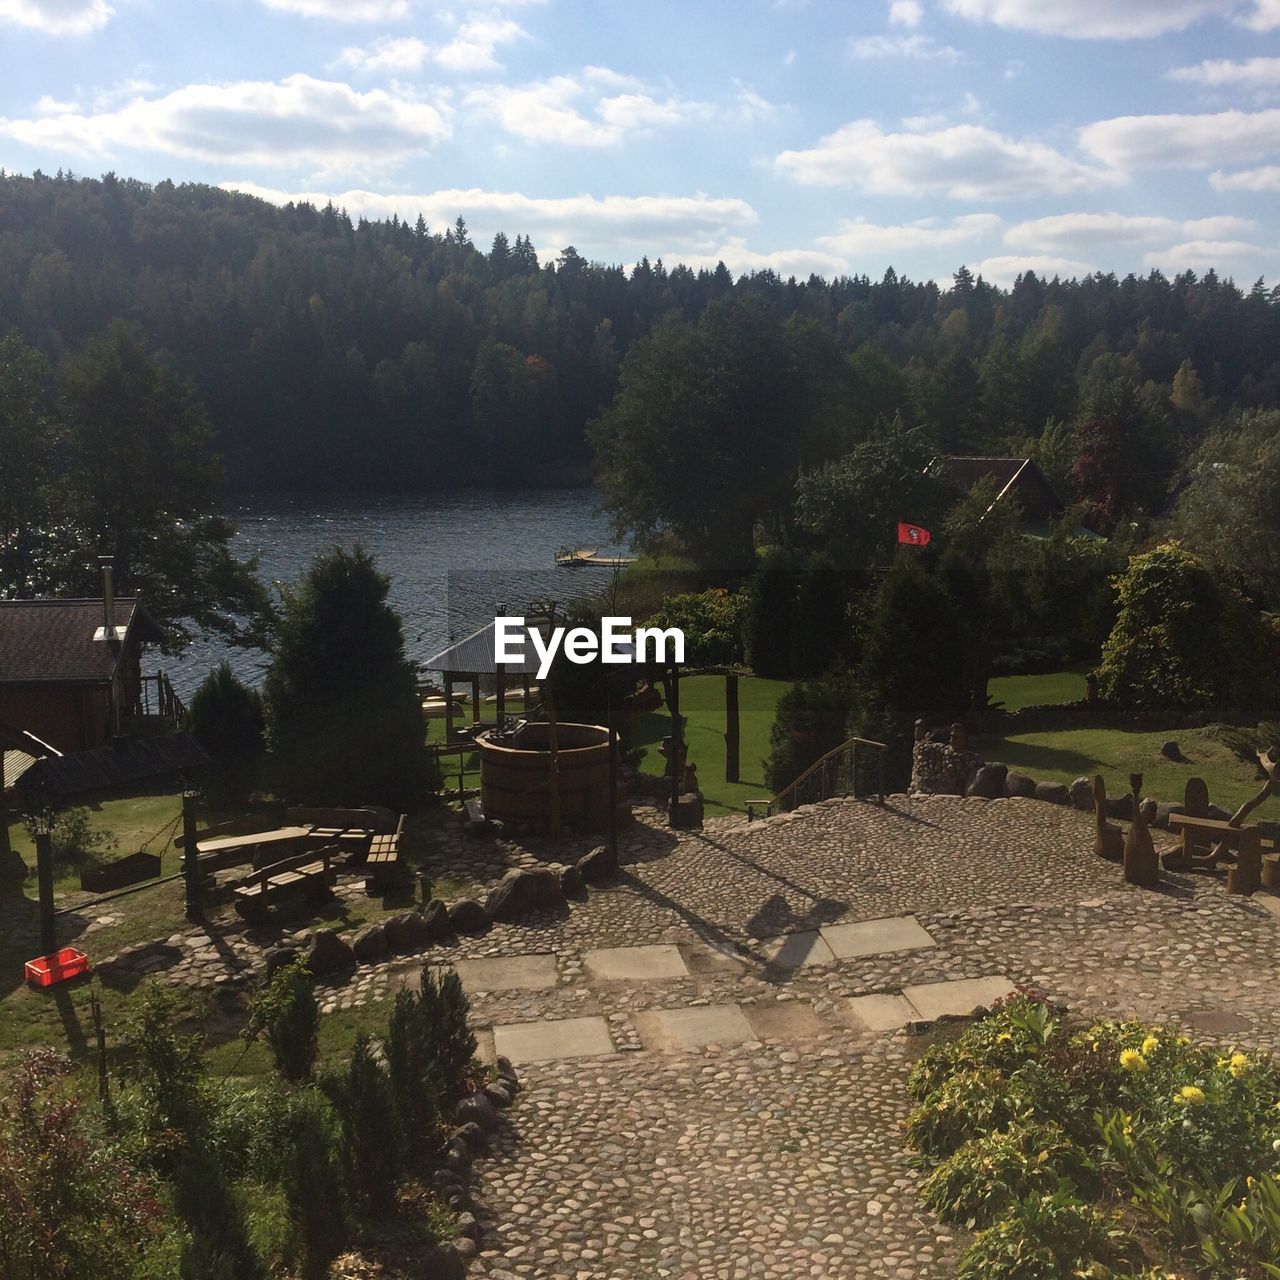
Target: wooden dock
[(580, 556)]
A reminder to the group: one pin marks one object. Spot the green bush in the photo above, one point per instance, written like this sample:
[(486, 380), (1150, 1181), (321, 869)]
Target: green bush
[(73, 838), (767, 615), (286, 1012), (810, 720), (446, 1011), (712, 622), (373, 1136), (226, 717), (312, 1180), (818, 629), (415, 1071)]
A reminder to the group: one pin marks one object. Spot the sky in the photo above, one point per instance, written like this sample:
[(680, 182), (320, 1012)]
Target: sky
[(1060, 136)]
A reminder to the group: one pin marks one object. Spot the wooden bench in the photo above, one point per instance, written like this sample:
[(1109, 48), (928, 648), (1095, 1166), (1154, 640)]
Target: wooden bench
[(254, 846), (308, 874), (1240, 846), (382, 864)]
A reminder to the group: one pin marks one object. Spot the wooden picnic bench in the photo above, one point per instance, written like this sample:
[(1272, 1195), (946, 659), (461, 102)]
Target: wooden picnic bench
[(309, 874), (231, 851), (1240, 845), (382, 865)]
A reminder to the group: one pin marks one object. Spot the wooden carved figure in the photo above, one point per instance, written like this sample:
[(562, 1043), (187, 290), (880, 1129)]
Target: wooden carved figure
[(1141, 866), (1108, 840)]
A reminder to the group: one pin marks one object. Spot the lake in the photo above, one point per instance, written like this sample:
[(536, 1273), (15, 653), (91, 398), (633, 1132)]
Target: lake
[(452, 559)]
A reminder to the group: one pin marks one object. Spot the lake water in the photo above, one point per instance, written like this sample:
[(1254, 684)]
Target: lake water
[(452, 559)]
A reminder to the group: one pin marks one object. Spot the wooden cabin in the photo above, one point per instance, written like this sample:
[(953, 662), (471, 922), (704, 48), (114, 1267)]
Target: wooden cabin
[(1013, 477), (71, 670)]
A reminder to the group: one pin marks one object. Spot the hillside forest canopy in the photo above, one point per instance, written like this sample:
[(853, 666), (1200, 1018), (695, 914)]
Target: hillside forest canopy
[(208, 342)]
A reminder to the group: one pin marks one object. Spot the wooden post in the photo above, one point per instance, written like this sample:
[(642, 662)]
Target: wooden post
[(502, 695), (613, 785), (677, 739), (193, 887), (448, 707), (732, 733), (528, 694), (475, 700), (44, 879), (1246, 875)]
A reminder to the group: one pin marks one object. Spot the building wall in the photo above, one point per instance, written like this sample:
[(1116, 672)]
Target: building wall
[(69, 717)]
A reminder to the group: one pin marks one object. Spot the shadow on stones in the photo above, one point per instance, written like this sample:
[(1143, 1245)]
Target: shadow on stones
[(905, 815)]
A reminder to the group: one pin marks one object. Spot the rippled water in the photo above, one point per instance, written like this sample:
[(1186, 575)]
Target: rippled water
[(452, 558)]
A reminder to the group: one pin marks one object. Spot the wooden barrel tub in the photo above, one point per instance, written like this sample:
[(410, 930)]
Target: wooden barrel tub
[(515, 776)]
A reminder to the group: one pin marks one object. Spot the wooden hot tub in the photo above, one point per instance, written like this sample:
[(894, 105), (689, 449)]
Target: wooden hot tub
[(515, 776)]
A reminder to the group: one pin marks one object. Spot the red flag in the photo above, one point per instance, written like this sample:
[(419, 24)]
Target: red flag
[(912, 535)]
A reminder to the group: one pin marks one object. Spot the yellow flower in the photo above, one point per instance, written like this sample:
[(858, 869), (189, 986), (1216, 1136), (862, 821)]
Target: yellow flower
[(1238, 1065), (1191, 1094), (1004, 1035), (1132, 1060), (1150, 1045)]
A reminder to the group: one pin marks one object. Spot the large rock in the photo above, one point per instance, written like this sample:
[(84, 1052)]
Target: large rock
[(1120, 807), (478, 1108), (441, 1262), (280, 957), (329, 953), (1053, 792), (468, 916), (1082, 794), (370, 944), (435, 916), (407, 932), (547, 883), (1171, 751), (597, 865), (572, 884), (1164, 811), (1018, 784), (988, 782), (515, 895)]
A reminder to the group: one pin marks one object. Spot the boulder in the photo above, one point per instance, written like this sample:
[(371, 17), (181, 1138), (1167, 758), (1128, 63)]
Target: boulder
[(478, 1108), (407, 932), (1053, 792), (507, 1073), (1120, 807), (572, 884), (442, 1262), (435, 915), (468, 1226), (1149, 808), (687, 813), (1164, 811), (468, 916), (988, 782), (1082, 794), (549, 892), (370, 944), (1217, 812), (473, 1135), (1018, 784), (1171, 751), (597, 865), (515, 895), (498, 1094), (329, 953), (279, 958)]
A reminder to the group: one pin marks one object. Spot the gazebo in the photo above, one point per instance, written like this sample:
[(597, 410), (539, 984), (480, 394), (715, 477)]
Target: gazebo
[(469, 660)]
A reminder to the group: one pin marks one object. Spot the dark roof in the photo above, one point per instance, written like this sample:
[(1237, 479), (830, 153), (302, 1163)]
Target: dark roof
[(474, 657), (21, 750), (52, 641), (124, 763), (1009, 474)]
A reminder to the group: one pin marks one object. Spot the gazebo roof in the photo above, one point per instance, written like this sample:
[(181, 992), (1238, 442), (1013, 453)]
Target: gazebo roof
[(474, 657)]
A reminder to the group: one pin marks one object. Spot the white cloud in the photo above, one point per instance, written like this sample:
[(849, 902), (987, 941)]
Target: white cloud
[(1226, 256), (1184, 141), (1113, 19), (1257, 75), (1004, 270), (345, 10), (905, 13), (1264, 179), (963, 162), (387, 53), (57, 17), (1218, 227), (548, 111), (607, 78), (472, 48), (1076, 233), (921, 48), (752, 107), (853, 239), (735, 255), (298, 122), (625, 225)]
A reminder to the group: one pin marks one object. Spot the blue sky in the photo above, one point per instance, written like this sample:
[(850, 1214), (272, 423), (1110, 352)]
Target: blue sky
[(801, 135)]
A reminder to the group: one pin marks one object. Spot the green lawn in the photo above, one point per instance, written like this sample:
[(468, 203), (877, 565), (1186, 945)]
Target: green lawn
[(702, 701), (1066, 754), (1031, 691)]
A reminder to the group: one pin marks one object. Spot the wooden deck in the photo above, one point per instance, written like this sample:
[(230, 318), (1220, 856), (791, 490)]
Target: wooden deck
[(581, 556)]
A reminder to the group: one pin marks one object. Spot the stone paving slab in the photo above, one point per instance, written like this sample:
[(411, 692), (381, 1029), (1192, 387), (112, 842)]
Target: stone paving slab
[(787, 1020), (877, 1012), (957, 997), (876, 937), (553, 1041), (635, 964), (797, 950), (705, 958), (508, 973), (670, 1030)]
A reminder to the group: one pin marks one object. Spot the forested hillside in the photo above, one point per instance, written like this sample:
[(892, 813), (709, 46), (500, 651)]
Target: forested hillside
[(384, 355)]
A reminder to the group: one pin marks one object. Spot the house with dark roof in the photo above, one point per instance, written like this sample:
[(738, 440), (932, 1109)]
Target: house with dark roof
[(71, 670), (1013, 477)]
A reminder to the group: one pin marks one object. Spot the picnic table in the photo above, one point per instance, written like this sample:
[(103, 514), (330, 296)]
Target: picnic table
[(231, 851)]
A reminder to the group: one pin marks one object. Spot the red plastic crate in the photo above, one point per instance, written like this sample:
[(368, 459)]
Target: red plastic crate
[(47, 971)]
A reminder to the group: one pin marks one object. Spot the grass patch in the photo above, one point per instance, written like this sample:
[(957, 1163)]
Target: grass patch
[(1042, 690), (702, 701), (1066, 754)]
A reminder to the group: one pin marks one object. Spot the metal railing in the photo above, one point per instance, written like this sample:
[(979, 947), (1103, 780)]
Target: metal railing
[(835, 774)]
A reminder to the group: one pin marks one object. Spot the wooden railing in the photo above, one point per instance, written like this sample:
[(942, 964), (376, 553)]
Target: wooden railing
[(157, 698), (835, 774)]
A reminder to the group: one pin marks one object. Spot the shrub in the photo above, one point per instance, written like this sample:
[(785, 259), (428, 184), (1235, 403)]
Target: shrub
[(285, 1010), (811, 719), (817, 617), (445, 1013), (415, 1072), (170, 1075), (219, 1246), (712, 622), (767, 616), (373, 1136), (226, 716), (967, 1105), (72, 836), (312, 1180)]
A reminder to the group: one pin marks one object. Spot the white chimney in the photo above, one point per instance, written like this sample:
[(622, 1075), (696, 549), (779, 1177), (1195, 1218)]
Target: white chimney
[(108, 598)]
